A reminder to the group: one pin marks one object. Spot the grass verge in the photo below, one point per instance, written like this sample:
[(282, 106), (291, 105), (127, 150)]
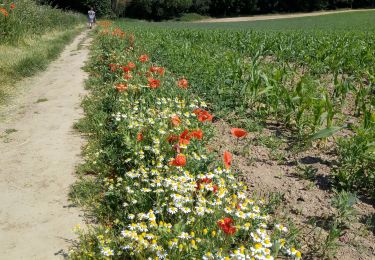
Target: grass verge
[(34, 55)]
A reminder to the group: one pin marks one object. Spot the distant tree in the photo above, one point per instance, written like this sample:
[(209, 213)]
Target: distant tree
[(157, 9), (165, 9), (245, 6), (268, 6), (200, 6)]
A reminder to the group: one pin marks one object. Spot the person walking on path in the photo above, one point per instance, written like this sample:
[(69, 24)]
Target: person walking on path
[(91, 15)]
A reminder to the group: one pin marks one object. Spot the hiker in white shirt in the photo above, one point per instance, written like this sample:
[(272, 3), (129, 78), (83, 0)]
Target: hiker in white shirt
[(91, 16)]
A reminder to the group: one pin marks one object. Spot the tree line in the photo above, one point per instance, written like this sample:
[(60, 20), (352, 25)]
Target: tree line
[(165, 9)]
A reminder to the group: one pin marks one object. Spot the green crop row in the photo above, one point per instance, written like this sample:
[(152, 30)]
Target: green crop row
[(315, 83)]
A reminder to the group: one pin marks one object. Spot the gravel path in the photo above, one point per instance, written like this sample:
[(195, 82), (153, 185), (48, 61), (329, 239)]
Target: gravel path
[(39, 152)]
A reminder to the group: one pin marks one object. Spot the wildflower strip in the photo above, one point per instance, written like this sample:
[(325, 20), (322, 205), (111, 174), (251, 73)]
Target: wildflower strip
[(161, 193)]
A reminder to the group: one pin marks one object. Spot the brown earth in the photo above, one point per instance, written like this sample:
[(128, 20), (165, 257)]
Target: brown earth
[(304, 202), (39, 152)]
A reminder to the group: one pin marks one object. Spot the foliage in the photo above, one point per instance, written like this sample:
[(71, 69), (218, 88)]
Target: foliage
[(344, 201), (26, 19), (30, 36), (162, 9), (356, 169), (158, 191), (102, 8), (157, 9), (316, 83), (188, 17)]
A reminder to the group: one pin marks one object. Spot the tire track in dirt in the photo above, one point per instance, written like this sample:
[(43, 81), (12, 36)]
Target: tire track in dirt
[(39, 152)]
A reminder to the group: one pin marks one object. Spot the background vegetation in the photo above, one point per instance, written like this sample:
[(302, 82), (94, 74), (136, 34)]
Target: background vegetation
[(165, 9), (30, 36)]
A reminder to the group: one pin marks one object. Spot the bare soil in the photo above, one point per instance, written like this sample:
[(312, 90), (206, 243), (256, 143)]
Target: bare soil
[(39, 152), (305, 202), (273, 16)]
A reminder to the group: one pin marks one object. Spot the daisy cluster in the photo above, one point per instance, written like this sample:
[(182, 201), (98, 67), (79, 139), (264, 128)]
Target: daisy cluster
[(174, 198)]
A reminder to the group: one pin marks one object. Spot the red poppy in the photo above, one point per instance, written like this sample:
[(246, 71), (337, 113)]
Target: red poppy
[(182, 83), (139, 137), (225, 224), (153, 83), (197, 111), (198, 134), (154, 69), (125, 69), (4, 11), (161, 71), (172, 138), (143, 58), (118, 32), (12, 6), (176, 121), (185, 134), (113, 67), (180, 160), (128, 75), (184, 138), (204, 180), (205, 116), (121, 87), (131, 65), (238, 132), (207, 181), (227, 159)]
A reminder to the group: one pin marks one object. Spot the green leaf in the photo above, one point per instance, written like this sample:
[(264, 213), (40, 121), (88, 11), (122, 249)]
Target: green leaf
[(371, 147), (324, 133)]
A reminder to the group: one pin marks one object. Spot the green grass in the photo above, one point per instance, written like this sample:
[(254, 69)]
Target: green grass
[(354, 21), (30, 37), (30, 19), (17, 62), (190, 17)]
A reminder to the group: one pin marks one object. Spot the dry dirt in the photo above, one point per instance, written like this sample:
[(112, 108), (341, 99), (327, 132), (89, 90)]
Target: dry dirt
[(303, 201), (39, 152), (272, 16)]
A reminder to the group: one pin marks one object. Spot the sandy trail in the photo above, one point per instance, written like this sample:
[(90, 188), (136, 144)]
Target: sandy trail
[(38, 159), (274, 16)]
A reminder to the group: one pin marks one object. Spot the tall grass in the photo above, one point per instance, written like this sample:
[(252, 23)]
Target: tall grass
[(31, 35), (30, 19)]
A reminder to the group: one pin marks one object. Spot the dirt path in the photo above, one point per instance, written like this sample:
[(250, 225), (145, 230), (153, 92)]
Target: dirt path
[(275, 16), (39, 151)]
